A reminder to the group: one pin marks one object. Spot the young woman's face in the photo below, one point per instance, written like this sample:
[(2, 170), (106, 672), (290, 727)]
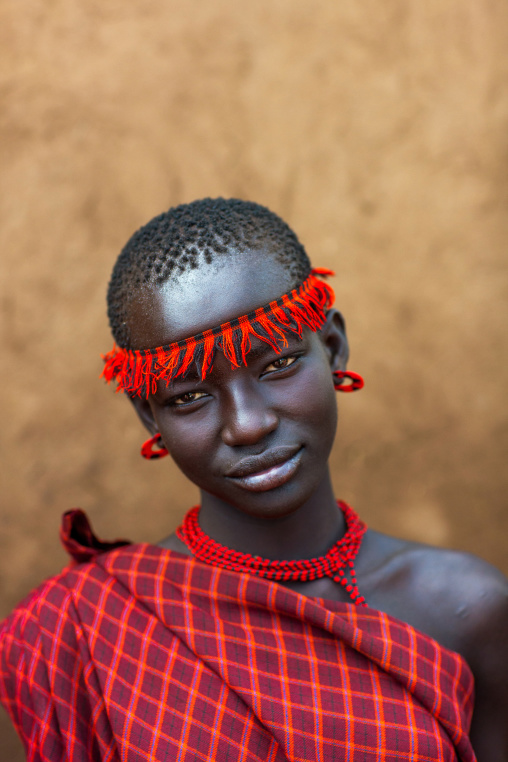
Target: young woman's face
[(256, 437)]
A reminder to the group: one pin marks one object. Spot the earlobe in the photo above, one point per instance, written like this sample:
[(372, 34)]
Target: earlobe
[(145, 415), (333, 335)]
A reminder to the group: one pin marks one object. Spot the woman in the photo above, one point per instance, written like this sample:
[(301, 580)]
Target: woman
[(272, 625)]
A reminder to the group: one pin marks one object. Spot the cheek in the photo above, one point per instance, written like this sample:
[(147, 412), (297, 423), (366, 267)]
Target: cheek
[(323, 411), (188, 441), (316, 404)]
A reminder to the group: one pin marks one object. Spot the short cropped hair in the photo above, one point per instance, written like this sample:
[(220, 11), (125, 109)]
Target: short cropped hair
[(194, 235)]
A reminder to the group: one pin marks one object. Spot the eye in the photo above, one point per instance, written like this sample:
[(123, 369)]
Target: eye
[(187, 398), (281, 363)]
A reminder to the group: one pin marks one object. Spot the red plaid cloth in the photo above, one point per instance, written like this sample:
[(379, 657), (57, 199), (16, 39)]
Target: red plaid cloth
[(140, 653)]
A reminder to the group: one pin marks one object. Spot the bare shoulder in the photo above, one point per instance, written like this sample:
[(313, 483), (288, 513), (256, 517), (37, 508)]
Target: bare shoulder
[(462, 602), (456, 595), (472, 606), (474, 589)]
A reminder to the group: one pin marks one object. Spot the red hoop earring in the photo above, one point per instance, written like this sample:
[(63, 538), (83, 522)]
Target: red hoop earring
[(355, 381), (150, 454)]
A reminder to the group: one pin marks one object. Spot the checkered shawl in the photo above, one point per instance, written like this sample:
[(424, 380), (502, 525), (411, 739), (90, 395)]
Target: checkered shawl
[(139, 653)]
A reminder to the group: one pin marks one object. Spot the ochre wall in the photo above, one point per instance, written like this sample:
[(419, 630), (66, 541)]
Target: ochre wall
[(378, 130)]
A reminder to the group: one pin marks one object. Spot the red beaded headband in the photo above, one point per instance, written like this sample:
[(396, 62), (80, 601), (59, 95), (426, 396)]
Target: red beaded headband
[(137, 371)]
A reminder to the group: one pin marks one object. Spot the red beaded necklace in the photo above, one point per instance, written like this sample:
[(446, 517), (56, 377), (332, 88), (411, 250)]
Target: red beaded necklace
[(340, 556)]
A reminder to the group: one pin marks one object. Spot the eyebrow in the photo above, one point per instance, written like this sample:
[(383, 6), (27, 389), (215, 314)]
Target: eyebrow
[(192, 376), (265, 349)]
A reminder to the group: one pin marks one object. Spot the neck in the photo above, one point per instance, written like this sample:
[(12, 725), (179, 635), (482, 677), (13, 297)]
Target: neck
[(306, 532)]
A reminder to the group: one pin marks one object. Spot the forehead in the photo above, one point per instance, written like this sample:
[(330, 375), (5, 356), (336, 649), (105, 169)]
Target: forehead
[(205, 297)]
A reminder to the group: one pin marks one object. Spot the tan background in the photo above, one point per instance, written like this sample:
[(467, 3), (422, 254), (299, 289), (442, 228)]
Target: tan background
[(378, 130)]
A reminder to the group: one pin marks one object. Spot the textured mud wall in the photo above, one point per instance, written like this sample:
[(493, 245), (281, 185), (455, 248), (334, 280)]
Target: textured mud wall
[(378, 130)]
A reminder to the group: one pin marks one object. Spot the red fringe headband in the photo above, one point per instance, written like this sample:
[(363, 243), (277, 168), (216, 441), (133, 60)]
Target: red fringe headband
[(137, 371)]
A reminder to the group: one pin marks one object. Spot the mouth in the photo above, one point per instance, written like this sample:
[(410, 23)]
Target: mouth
[(269, 470)]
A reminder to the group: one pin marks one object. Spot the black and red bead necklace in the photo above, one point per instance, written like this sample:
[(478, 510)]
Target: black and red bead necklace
[(334, 564)]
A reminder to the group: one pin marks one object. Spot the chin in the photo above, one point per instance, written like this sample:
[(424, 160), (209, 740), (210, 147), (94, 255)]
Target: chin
[(272, 503)]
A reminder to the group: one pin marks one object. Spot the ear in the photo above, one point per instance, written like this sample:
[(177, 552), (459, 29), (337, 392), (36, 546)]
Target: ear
[(333, 336), (145, 415)]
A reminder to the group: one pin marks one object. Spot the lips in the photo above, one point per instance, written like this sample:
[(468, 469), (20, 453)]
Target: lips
[(273, 468), (253, 464)]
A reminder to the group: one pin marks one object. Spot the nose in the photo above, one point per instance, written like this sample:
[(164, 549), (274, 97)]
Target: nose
[(247, 417)]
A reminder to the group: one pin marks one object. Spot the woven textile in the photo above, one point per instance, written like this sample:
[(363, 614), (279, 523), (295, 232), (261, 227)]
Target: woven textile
[(140, 653)]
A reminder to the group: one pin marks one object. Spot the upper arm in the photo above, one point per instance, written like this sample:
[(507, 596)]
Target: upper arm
[(29, 639), (48, 680), (21, 659), (486, 651)]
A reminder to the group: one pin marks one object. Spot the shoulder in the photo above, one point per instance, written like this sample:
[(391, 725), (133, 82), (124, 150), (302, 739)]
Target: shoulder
[(26, 639), (465, 590), (467, 601), (460, 601), (473, 588), (52, 595), (455, 597), (472, 604), (47, 625), (42, 657), (50, 604), (446, 573)]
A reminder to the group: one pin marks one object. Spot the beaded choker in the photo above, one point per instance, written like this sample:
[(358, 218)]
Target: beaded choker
[(137, 371), (334, 564)]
